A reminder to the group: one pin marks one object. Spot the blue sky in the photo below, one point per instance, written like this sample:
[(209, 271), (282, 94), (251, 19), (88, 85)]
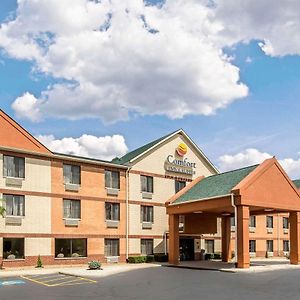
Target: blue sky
[(267, 119)]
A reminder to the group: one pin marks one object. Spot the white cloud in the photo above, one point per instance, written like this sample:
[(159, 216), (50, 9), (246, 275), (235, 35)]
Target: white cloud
[(122, 57), (253, 156), (106, 148), (275, 23), (27, 107)]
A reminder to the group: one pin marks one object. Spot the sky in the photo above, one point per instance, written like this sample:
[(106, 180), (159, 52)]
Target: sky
[(100, 78)]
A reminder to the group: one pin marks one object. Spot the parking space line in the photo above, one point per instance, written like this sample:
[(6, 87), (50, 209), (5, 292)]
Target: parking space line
[(33, 280), (58, 280)]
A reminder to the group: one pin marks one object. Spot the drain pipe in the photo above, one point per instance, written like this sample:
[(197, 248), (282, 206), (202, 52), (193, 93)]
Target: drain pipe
[(165, 242), (127, 212), (236, 225)]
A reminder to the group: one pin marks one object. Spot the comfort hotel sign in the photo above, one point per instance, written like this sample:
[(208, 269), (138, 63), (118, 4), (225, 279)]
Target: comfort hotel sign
[(180, 164)]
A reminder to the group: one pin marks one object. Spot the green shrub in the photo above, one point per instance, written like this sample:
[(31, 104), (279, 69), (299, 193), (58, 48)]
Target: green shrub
[(94, 265), (161, 257), (208, 256), (150, 258), (137, 259), (217, 255), (39, 263)]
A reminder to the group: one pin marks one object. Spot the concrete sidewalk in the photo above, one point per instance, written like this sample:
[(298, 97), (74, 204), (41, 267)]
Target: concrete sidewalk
[(256, 265), (81, 271)]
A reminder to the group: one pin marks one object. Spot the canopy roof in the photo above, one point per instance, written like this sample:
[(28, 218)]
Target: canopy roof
[(215, 185)]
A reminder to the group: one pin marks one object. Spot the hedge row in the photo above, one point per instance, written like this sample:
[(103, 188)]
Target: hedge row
[(147, 259)]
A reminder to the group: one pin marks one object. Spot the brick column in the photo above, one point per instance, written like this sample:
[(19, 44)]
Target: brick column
[(242, 234), (174, 239), (226, 239), (294, 238)]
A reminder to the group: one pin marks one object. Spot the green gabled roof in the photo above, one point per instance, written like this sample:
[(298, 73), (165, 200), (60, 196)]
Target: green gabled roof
[(215, 185), (297, 183), (131, 155)]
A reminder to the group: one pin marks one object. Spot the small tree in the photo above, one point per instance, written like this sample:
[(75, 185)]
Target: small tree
[(2, 209), (39, 263)]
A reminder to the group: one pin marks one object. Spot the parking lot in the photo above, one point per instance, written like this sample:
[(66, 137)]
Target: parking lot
[(160, 283)]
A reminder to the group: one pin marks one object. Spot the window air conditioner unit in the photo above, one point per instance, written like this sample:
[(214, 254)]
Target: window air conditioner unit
[(11, 220), (72, 187), (16, 182), (112, 223), (71, 222), (147, 225), (112, 259), (112, 192), (147, 195)]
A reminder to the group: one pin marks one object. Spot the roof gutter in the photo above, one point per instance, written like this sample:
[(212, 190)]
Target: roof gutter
[(197, 200)]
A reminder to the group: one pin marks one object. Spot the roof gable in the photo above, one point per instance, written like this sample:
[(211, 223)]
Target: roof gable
[(12, 135), (141, 151)]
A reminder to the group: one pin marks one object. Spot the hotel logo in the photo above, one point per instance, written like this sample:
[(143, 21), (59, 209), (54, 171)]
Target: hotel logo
[(181, 149)]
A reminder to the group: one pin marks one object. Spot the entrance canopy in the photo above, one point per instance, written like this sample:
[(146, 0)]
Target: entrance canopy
[(259, 189)]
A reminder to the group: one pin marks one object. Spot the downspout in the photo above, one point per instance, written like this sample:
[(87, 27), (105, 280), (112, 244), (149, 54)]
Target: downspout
[(278, 235), (235, 222), (165, 242), (127, 212)]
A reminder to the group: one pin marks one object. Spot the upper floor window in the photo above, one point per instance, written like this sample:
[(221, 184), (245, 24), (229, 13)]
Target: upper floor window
[(112, 211), (14, 205), (13, 166), (147, 214), (269, 221), (252, 221), (72, 209), (285, 223), (232, 221), (72, 174), (179, 185), (147, 184), (112, 179)]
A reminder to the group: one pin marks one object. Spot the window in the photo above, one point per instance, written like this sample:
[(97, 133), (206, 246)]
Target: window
[(269, 246), (147, 214), (209, 246), (13, 166), (72, 174), (70, 248), (285, 223), (112, 179), (252, 221), (252, 246), (72, 209), (269, 221), (232, 221), (147, 184), (14, 205), (179, 185), (112, 247), (286, 246), (112, 211), (13, 248), (146, 246)]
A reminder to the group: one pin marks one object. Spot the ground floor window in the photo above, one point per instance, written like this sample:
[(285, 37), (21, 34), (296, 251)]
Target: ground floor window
[(252, 221), (269, 246), (13, 248), (147, 246), (70, 248), (252, 246), (209, 246), (286, 245), (112, 247)]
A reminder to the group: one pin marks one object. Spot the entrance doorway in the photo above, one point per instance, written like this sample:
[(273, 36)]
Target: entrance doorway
[(186, 247)]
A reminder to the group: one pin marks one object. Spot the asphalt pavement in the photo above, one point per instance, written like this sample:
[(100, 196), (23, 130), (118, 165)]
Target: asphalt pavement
[(162, 283)]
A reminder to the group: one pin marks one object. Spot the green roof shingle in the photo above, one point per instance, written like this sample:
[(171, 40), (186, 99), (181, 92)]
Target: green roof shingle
[(215, 185), (297, 183), (130, 155)]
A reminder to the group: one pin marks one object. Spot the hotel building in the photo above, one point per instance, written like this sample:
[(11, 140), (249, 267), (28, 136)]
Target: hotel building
[(70, 210)]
